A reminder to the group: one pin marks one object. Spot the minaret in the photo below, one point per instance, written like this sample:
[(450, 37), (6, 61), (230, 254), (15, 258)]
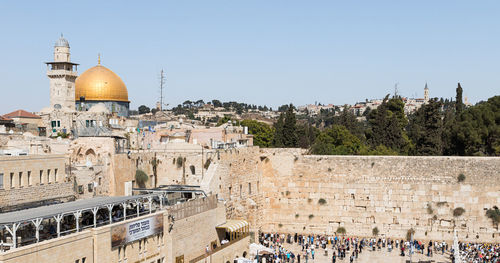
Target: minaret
[(62, 75), (426, 93)]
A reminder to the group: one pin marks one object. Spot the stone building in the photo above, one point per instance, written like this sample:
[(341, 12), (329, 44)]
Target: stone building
[(32, 180), (191, 231)]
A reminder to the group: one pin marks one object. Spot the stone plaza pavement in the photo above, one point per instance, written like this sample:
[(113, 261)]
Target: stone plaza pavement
[(381, 256)]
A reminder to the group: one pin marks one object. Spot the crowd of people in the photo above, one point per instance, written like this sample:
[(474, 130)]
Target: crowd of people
[(339, 247), (479, 252)]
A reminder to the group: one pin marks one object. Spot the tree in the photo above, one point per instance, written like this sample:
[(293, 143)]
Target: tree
[(387, 126), (143, 109), (337, 140), (459, 105), (278, 132), (306, 134), (426, 128), (216, 103), (262, 133), (290, 128)]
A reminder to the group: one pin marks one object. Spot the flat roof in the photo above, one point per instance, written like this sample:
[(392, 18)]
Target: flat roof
[(64, 208)]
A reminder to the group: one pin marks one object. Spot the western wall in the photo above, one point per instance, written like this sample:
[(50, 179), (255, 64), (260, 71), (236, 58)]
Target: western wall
[(318, 194), (286, 190)]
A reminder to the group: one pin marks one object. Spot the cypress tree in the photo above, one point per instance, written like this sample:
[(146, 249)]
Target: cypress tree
[(290, 128)]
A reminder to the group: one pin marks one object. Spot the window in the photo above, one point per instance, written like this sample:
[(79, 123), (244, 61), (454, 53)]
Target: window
[(20, 179), (58, 123), (11, 180), (83, 260), (41, 176), (100, 180), (55, 175), (29, 179), (90, 187), (249, 188), (241, 187), (229, 191), (1, 180), (48, 176)]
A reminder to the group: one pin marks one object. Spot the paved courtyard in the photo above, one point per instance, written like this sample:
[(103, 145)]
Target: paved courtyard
[(372, 256)]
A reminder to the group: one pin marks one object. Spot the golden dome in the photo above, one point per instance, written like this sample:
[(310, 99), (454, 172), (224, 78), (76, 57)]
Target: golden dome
[(100, 84)]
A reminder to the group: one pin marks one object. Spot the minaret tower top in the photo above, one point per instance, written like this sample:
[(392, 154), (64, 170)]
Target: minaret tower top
[(62, 75)]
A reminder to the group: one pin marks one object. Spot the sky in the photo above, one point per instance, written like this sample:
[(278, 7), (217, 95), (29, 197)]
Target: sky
[(259, 52)]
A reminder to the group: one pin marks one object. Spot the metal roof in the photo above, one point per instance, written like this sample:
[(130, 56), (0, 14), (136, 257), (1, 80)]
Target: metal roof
[(64, 208)]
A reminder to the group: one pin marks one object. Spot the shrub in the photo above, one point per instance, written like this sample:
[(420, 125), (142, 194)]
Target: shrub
[(62, 135), (429, 209), (141, 178), (494, 215), (341, 230), (375, 231), (280, 225), (287, 193), (409, 233), (207, 163), (439, 204), (461, 178), (179, 162), (458, 211), (296, 215), (321, 201), (311, 216)]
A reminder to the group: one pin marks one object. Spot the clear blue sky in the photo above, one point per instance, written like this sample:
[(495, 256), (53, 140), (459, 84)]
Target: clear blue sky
[(259, 52)]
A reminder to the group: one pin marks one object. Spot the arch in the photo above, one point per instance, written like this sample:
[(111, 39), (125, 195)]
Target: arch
[(90, 155)]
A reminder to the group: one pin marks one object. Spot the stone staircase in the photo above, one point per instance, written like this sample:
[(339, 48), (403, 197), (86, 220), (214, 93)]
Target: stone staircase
[(209, 181)]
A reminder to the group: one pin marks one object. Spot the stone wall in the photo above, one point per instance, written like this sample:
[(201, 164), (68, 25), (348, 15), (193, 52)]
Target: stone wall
[(33, 179), (320, 193)]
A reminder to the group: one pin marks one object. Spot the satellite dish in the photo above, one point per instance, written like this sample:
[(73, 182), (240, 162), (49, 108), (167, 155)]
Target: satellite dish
[(57, 106)]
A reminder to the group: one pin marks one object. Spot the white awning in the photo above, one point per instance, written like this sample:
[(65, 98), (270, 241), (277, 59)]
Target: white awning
[(234, 225)]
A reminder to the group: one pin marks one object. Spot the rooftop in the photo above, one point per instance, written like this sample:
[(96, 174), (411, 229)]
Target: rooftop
[(64, 208), (21, 114)]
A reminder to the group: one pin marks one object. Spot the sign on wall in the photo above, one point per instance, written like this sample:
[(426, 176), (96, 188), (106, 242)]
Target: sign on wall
[(132, 231)]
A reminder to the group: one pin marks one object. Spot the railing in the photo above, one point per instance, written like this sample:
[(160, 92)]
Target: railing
[(193, 207), (219, 248)]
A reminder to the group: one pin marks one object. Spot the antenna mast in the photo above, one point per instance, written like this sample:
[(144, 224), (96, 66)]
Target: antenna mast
[(162, 82)]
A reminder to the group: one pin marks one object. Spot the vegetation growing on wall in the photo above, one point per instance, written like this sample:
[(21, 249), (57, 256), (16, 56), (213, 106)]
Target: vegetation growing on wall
[(461, 178), (494, 215), (141, 178), (458, 211)]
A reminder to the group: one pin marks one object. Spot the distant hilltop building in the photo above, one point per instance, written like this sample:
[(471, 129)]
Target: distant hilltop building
[(411, 104)]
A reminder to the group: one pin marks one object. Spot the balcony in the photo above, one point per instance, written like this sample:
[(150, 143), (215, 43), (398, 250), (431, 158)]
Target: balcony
[(61, 72)]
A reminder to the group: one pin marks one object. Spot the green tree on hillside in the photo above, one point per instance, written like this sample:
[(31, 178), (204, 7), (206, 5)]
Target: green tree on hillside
[(426, 128), (278, 132), (337, 140), (387, 126), (290, 128), (263, 134)]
